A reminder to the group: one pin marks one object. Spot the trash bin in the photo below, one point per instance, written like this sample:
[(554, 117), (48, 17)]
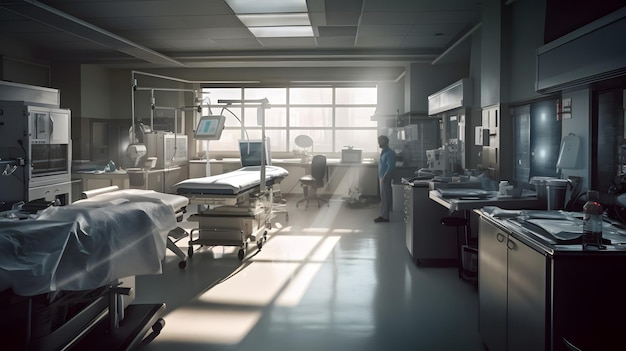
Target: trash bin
[(551, 191), (556, 189)]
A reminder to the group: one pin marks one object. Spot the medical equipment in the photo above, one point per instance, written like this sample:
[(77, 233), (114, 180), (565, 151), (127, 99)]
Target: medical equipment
[(438, 159), (240, 207), (209, 128), (251, 151), (351, 155), (60, 269), (40, 135), (305, 143), (135, 152)]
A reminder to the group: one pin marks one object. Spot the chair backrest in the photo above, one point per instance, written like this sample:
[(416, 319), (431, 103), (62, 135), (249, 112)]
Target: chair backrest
[(318, 167)]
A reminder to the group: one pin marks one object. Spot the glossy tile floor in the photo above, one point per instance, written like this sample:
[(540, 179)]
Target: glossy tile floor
[(328, 279)]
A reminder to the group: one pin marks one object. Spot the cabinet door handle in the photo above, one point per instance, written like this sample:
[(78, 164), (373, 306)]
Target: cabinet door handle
[(510, 244), (500, 237)]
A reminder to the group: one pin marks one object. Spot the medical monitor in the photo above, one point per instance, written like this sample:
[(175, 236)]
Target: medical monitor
[(250, 152), (210, 128)]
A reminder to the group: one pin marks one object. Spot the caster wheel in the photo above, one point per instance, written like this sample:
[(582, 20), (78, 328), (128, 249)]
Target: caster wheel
[(241, 254), (182, 264), (158, 325), (259, 244), (190, 251)]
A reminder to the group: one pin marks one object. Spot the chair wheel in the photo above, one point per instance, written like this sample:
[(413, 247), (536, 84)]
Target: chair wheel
[(240, 254), (182, 264), (158, 325)]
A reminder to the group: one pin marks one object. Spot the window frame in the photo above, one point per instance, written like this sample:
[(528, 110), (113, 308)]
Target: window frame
[(290, 132)]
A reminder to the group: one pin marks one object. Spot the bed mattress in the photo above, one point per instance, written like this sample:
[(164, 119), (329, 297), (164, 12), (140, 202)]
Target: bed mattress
[(231, 183), (85, 245)]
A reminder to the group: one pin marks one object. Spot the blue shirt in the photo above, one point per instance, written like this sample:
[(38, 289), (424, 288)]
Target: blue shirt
[(387, 162)]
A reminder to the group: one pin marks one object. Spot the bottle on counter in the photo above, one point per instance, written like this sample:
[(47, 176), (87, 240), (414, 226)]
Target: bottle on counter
[(592, 221), (110, 167)]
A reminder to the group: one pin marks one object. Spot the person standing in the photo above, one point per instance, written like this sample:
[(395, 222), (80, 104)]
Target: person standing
[(386, 165)]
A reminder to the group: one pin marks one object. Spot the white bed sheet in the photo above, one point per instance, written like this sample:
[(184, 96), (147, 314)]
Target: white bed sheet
[(85, 245), (232, 182)]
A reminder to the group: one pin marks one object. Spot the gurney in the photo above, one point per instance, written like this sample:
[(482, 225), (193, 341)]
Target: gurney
[(238, 209), (178, 204), (61, 272)]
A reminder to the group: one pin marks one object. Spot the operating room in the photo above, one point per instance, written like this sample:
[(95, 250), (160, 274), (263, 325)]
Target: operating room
[(175, 177)]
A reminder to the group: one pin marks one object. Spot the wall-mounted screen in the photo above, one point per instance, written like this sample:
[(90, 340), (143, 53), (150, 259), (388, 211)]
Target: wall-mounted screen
[(250, 152), (210, 128)]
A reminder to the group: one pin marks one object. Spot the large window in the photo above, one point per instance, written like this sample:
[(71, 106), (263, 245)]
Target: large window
[(334, 117)]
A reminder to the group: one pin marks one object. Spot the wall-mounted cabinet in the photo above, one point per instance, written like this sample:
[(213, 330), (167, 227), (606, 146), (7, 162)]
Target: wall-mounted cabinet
[(456, 95), (589, 54)]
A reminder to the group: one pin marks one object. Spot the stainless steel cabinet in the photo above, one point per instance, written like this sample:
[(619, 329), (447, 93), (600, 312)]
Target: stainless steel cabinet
[(428, 242), (512, 292)]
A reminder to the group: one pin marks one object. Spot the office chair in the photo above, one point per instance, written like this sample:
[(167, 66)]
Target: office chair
[(311, 182)]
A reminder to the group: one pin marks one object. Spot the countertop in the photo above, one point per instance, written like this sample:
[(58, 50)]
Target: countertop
[(614, 233)]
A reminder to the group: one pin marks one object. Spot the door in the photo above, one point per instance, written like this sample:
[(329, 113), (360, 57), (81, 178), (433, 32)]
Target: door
[(59, 127), (526, 302), (492, 280)]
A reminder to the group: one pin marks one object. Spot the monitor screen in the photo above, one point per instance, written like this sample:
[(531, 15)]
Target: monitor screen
[(250, 152), (210, 127)]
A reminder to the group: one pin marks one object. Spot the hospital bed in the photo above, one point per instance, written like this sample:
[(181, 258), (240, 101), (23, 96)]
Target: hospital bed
[(238, 207), (65, 271)]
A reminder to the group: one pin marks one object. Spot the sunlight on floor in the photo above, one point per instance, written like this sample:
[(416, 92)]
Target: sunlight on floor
[(279, 274), (209, 325)]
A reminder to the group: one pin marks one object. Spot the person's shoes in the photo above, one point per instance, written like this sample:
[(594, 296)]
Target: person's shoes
[(381, 219)]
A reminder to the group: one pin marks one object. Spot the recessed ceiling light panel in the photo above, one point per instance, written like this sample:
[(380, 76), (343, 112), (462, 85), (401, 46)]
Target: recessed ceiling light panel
[(267, 6), (275, 19), (279, 32)]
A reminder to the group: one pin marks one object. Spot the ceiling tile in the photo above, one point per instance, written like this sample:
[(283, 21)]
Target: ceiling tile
[(240, 44), (337, 31), (374, 42), (335, 42), (383, 30)]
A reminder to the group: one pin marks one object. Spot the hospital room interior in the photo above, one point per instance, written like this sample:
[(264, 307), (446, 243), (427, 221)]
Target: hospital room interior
[(312, 175)]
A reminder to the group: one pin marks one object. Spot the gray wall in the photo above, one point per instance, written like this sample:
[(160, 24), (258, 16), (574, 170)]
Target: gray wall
[(95, 92), (491, 51), (526, 22), (426, 79)]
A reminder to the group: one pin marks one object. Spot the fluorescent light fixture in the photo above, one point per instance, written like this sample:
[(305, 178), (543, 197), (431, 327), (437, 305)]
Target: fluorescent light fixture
[(282, 32), (267, 6), (275, 19)]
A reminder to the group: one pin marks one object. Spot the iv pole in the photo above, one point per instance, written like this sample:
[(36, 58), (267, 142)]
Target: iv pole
[(263, 104)]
